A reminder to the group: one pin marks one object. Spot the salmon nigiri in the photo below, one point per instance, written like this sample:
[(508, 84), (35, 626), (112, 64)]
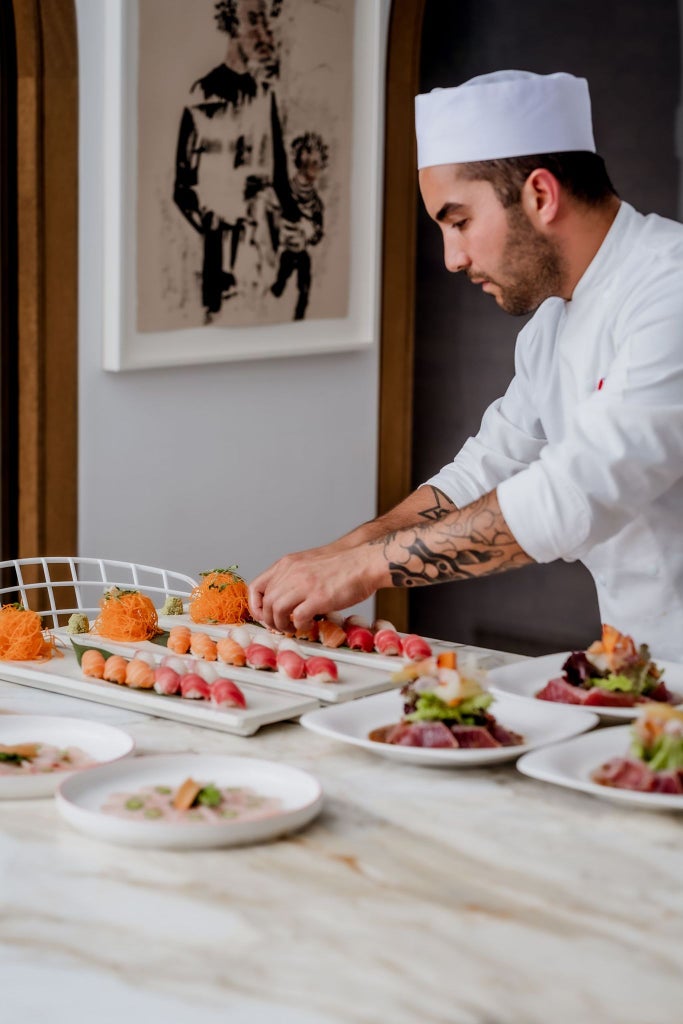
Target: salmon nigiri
[(309, 632), (139, 675), (92, 664), (330, 633), (115, 669), (230, 652), (202, 646), (179, 639)]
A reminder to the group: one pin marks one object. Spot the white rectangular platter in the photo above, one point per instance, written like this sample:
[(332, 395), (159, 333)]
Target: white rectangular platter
[(355, 680), (340, 654), (63, 675)]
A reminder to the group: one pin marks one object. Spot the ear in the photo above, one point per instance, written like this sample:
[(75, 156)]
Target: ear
[(541, 194)]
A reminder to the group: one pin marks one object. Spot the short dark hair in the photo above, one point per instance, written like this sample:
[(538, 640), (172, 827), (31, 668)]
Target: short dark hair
[(310, 141), (227, 17), (582, 174)]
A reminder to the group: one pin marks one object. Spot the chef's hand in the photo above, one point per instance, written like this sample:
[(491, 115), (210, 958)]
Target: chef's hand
[(309, 583)]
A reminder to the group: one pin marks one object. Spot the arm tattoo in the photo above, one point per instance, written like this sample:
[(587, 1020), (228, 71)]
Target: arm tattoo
[(466, 543), (441, 507)]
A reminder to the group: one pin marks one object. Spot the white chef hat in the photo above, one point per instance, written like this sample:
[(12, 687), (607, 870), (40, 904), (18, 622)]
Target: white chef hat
[(504, 114)]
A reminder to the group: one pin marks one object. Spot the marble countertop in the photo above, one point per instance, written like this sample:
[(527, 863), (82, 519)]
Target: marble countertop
[(471, 896)]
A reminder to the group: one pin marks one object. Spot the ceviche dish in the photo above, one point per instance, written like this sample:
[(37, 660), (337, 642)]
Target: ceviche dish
[(40, 758), (192, 802), (612, 672), (445, 705), (654, 762)]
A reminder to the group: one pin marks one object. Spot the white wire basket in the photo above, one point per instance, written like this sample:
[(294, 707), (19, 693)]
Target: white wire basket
[(59, 586)]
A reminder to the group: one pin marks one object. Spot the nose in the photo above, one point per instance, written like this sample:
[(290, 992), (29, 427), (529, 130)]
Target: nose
[(455, 257)]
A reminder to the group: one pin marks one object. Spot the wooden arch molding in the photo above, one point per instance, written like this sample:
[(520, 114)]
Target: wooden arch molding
[(47, 275), (398, 275)]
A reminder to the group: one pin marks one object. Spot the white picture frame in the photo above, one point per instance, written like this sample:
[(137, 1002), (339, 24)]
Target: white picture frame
[(125, 348)]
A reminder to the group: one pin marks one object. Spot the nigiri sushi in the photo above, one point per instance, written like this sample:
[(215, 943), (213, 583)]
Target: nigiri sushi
[(291, 664), (92, 664), (415, 648), (321, 670), (387, 641), (179, 639), (225, 693), (179, 665), (208, 672), (261, 657), (356, 620), (359, 639), (166, 681), (115, 669), (330, 634), (309, 632), (230, 652), (241, 635), (194, 687), (139, 675), (202, 646)]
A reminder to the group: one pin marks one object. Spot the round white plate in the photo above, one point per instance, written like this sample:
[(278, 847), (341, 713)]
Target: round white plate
[(538, 723), (103, 742), (526, 678), (81, 797), (571, 763)]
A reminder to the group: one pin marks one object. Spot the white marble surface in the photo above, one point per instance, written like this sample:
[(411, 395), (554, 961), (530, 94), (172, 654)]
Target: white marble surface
[(420, 895)]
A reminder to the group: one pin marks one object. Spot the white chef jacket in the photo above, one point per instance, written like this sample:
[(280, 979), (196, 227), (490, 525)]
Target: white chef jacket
[(586, 446)]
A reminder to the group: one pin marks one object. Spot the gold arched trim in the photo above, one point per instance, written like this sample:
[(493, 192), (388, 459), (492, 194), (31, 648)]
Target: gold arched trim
[(398, 274), (47, 242)]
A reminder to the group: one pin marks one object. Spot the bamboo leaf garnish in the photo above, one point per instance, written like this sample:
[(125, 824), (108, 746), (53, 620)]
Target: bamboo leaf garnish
[(80, 650), (161, 638)]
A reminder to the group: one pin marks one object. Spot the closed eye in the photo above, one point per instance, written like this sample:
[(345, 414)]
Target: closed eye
[(460, 224)]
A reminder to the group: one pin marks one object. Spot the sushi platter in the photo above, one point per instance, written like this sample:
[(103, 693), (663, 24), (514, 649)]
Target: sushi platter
[(63, 675)]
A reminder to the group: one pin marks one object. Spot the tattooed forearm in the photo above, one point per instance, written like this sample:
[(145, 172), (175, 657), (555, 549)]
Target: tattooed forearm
[(465, 543), (441, 507)]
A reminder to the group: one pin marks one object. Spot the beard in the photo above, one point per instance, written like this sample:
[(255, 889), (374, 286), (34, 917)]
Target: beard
[(533, 264)]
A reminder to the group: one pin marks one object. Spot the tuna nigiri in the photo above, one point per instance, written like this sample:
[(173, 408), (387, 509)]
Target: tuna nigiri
[(291, 664), (359, 639), (194, 687), (115, 669), (225, 693), (179, 639), (92, 664), (387, 641), (330, 634), (415, 648), (261, 657), (139, 675), (321, 670), (230, 652), (202, 646), (166, 681)]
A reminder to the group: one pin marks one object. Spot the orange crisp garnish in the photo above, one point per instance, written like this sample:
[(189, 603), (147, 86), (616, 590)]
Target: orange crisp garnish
[(222, 596), (22, 637), (126, 615), (447, 659)]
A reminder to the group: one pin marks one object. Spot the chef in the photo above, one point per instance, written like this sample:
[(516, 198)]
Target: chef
[(582, 457)]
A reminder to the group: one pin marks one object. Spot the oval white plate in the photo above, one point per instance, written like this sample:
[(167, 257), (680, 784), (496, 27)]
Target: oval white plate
[(103, 742), (570, 764), (80, 799), (538, 723), (526, 678)]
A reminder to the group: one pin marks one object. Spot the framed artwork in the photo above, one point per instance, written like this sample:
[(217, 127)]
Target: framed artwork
[(242, 179)]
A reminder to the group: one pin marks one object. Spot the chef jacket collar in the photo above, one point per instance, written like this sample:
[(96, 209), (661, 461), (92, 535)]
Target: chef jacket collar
[(607, 259)]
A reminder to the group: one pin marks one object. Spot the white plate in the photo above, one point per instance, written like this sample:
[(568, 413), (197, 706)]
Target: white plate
[(63, 675), (539, 724), (102, 742), (526, 678), (80, 799), (570, 764)]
